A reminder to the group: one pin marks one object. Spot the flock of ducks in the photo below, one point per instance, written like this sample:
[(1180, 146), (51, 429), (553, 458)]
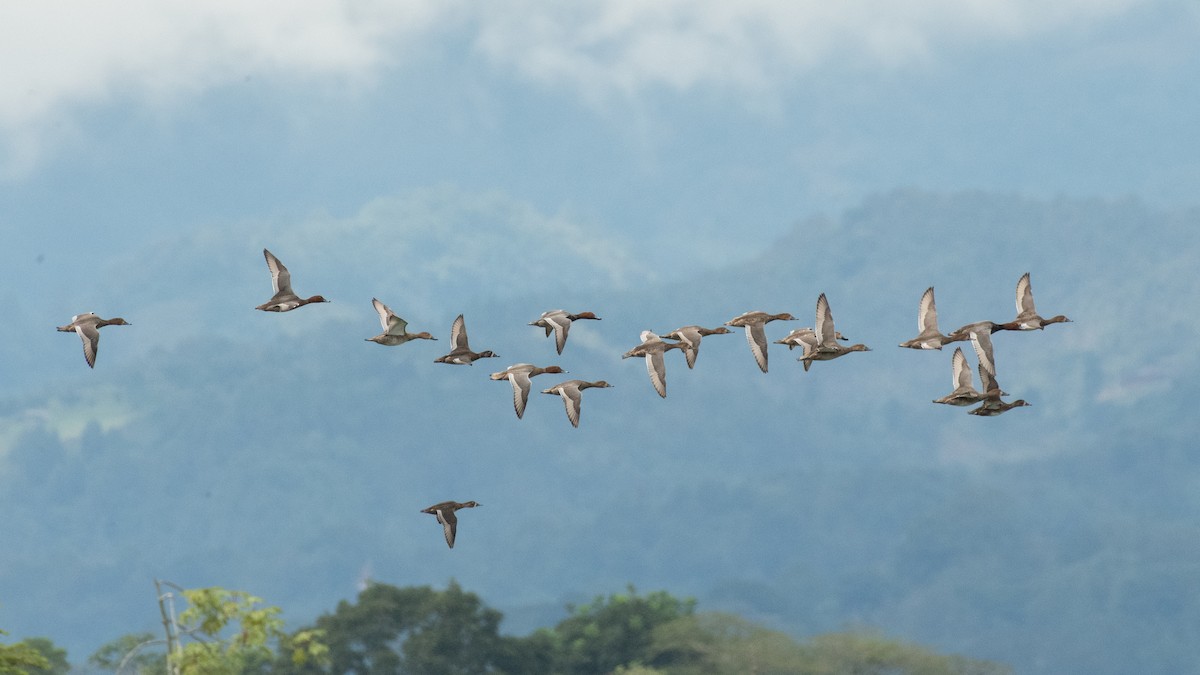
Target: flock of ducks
[(980, 335), (821, 342)]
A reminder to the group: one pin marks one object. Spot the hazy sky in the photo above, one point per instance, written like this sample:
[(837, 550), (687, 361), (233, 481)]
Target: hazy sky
[(706, 128)]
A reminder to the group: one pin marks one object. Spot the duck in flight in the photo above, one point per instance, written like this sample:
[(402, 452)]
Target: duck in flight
[(284, 299), (558, 322), (395, 330), (571, 396), (690, 337), (518, 375), (928, 337), (461, 354), (756, 336), (88, 326), (444, 511), (652, 348)]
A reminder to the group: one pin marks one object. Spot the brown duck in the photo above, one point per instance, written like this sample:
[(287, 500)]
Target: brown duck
[(444, 511)]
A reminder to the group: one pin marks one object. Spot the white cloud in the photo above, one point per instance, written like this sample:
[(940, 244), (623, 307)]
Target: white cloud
[(60, 54), (625, 45), (57, 55)]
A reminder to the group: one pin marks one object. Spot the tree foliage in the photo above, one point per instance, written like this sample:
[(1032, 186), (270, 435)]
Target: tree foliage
[(56, 657), (614, 630), (20, 658), (412, 630), (714, 643), (256, 629), (131, 654), (417, 630), (858, 653)]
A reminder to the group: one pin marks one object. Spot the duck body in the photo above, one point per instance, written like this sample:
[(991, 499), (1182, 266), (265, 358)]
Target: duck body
[(806, 339), (928, 337), (991, 404), (690, 337), (828, 348), (558, 322), (964, 392), (963, 334), (754, 322), (1027, 316), (519, 375), (571, 394), (395, 330), (87, 326), (991, 409), (652, 349), (461, 354), (284, 300), (444, 511)]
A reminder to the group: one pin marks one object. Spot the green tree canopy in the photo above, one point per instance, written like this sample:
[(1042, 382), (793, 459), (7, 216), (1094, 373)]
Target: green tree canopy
[(421, 631), (615, 630), (254, 628), (20, 658), (713, 643), (414, 630), (56, 657), (139, 653), (860, 653)]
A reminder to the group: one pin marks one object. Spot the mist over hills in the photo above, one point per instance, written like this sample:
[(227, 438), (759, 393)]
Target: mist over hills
[(285, 456)]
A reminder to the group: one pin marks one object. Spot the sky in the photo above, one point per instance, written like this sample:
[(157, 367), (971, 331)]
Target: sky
[(694, 132)]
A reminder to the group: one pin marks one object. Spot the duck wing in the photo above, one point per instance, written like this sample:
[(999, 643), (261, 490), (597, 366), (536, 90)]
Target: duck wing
[(927, 314), (281, 279), (1025, 296), (458, 333), (657, 371), (520, 386), (449, 523), (91, 342), (561, 323)]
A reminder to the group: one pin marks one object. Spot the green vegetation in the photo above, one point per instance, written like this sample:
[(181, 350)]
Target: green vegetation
[(22, 658), (132, 654), (420, 630)]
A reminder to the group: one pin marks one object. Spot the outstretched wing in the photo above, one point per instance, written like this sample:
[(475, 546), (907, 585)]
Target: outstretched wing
[(1025, 295), (458, 333), (657, 371), (281, 279), (449, 523), (520, 386), (91, 342), (927, 314), (981, 340), (573, 400)]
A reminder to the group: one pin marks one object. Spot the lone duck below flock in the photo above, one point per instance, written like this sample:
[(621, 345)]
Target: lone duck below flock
[(819, 343)]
